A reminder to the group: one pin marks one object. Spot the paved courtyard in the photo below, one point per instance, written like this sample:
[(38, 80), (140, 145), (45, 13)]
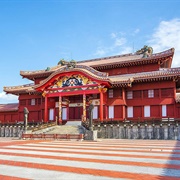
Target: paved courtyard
[(82, 160)]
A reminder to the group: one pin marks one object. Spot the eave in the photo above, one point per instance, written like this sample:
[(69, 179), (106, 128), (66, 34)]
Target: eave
[(9, 107), (22, 89), (161, 75)]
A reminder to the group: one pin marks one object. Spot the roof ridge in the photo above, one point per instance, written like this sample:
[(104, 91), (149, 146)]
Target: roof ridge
[(107, 57)]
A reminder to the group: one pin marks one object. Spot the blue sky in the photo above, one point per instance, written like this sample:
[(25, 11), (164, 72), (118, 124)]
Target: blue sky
[(36, 34)]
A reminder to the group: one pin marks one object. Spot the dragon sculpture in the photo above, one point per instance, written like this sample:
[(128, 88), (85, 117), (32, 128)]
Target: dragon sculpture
[(146, 51), (70, 64)]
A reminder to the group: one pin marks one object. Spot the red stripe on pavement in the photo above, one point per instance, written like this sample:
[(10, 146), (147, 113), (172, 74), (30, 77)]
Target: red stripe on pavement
[(128, 163), (20, 142), (95, 172), (99, 154), (2, 177)]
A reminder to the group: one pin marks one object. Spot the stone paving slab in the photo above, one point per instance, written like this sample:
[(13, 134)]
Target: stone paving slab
[(85, 160)]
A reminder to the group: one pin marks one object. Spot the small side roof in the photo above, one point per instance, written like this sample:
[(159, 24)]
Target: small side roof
[(21, 89), (9, 107)]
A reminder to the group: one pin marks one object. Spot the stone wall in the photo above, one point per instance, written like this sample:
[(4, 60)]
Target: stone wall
[(140, 131)]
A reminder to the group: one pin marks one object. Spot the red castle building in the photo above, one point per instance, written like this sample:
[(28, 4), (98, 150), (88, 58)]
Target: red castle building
[(134, 87)]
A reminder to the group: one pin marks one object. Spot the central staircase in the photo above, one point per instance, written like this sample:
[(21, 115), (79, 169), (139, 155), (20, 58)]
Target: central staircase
[(71, 130)]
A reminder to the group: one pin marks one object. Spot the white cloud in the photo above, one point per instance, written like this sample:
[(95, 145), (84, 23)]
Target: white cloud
[(126, 50), (100, 52), (119, 41), (113, 35), (7, 98), (167, 35), (136, 31)]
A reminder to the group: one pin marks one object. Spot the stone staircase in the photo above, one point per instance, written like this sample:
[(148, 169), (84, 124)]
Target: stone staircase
[(71, 127)]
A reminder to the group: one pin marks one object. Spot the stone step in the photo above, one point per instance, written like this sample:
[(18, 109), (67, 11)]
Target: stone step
[(73, 123), (64, 129)]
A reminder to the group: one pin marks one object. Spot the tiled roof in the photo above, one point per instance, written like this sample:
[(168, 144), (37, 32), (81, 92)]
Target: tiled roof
[(27, 88), (112, 59), (120, 60), (162, 73), (9, 107), (126, 58), (169, 72), (122, 80)]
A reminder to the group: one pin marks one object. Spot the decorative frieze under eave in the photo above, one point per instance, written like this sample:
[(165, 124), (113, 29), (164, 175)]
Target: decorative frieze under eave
[(153, 79), (122, 83)]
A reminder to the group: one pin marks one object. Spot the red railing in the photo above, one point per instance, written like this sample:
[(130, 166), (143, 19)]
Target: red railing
[(53, 136)]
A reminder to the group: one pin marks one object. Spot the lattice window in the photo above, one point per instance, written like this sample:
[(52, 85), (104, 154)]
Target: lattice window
[(129, 95), (150, 93), (33, 102), (110, 93)]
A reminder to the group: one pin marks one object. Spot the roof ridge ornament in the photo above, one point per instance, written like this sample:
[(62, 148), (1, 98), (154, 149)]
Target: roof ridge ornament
[(68, 64), (146, 51)]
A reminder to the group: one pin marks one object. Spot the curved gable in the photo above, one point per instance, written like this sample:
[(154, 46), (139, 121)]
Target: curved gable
[(81, 75)]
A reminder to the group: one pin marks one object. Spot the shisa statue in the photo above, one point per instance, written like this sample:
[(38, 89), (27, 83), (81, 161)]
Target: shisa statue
[(26, 112), (90, 109)]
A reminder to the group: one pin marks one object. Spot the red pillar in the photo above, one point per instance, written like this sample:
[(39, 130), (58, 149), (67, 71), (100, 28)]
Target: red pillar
[(106, 112), (46, 110), (68, 112), (101, 106), (60, 110), (124, 107), (84, 108)]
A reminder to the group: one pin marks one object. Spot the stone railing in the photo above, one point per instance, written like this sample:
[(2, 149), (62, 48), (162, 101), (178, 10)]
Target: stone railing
[(11, 131), (53, 136), (139, 131)]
